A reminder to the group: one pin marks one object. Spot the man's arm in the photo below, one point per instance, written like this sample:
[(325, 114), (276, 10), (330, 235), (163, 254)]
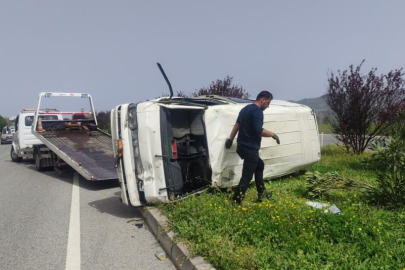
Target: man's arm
[(258, 127), (266, 133), (234, 131)]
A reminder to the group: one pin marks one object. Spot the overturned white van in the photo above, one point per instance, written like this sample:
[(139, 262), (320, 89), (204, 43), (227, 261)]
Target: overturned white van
[(169, 147)]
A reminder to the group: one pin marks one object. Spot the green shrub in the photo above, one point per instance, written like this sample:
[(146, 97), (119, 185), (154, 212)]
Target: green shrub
[(318, 184), (388, 160), (398, 129)]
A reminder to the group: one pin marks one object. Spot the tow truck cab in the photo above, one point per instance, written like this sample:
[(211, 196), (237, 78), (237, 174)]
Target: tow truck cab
[(23, 139)]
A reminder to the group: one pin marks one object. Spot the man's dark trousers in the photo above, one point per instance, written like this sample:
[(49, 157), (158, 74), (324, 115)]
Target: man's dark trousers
[(252, 164)]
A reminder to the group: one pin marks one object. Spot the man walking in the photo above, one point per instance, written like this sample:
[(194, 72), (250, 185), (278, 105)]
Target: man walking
[(250, 127)]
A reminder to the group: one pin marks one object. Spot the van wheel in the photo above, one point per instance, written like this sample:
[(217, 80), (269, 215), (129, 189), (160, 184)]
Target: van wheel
[(14, 156), (38, 161)]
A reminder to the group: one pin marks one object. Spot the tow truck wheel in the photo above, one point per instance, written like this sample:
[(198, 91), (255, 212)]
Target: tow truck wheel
[(37, 161), (14, 156)]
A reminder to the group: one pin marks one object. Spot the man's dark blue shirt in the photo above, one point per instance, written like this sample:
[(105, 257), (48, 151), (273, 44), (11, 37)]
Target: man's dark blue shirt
[(250, 120)]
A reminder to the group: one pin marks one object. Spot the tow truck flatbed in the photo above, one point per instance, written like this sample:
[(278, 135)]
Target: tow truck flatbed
[(89, 154), (75, 140)]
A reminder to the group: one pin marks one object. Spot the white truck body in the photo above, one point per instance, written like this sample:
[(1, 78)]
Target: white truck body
[(23, 139), (170, 147)]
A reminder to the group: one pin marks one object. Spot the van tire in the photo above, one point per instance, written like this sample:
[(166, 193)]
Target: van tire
[(38, 161), (14, 156)]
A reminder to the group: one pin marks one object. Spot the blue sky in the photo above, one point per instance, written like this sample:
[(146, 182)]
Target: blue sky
[(110, 48)]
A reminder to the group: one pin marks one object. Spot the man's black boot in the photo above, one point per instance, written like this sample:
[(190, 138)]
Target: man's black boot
[(265, 195)]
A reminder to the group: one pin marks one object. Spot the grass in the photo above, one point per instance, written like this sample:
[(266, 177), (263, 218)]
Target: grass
[(285, 233), (325, 128)]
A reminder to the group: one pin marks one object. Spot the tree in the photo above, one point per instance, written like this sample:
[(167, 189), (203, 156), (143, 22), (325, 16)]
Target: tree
[(178, 94), (103, 120), (363, 106), (223, 88), (3, 122)]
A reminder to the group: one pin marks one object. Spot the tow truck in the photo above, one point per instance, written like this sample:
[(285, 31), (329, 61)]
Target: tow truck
[(73, 140)]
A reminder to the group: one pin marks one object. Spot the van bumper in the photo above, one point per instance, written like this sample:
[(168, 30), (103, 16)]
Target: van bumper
[(7, 140)]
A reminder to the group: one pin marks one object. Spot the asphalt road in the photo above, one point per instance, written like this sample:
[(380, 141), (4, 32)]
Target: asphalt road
[(47, 222), (328, 139)]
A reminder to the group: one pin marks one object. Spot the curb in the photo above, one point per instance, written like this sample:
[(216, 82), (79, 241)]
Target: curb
[(177, 252)]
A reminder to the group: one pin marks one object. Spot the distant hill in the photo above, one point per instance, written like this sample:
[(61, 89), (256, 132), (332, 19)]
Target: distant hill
[(318, 104)]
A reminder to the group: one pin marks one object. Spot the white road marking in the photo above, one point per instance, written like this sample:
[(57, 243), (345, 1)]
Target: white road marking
[(73, 248)]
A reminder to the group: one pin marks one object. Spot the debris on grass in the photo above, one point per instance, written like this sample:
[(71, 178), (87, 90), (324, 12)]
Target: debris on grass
[(328, 208)]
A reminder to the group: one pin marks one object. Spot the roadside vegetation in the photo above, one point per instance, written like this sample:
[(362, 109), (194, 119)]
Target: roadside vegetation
[(364, 105), (3, 122), (325, 128), (219, 87), (103, 120), (286, 233)]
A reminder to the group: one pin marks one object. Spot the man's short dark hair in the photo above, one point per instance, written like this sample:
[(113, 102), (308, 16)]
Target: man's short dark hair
[(264, 94)]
